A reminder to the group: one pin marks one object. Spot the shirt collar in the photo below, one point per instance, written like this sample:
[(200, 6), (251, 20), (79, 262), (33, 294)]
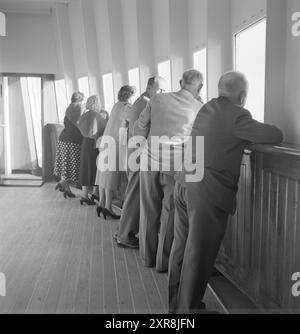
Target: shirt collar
[(186, 92)]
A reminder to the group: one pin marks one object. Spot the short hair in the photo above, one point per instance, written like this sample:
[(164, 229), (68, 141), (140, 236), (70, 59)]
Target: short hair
[(192, 77), (232, 83), (125, 93), (77, 97), (152, 81), (93, 103), (159, 81)]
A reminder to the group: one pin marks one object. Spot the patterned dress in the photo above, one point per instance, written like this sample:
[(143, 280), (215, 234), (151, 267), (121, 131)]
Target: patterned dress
[(67, 162)]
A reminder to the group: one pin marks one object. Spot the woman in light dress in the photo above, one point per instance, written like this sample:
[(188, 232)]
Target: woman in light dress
[(110, 181)]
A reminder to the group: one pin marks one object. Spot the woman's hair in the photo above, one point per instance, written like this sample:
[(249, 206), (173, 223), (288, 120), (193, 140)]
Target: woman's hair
[(77, 97), (93, 103), (125, 93)]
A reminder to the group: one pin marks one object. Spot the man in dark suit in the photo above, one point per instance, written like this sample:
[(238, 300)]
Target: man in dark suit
[(129, 222), (203, 208)]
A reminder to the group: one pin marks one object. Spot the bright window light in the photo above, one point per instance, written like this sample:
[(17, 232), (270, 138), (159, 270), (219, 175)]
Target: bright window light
[(61, 99), (34, 86), (134, 80), (250, 56), (164, 70), (200, 64), (2, 24), (108, 90), (84, 87)]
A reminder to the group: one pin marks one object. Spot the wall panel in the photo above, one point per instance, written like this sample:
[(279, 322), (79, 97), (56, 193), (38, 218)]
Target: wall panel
[(117, 44), (30, 44), (145, 41), (178, 40)]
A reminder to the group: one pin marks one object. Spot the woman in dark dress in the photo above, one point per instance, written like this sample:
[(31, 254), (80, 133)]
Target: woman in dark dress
[(67, 162), (92, 125)]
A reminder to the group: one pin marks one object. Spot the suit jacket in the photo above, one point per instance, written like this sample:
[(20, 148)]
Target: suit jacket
[(169, 115), (134, 113), (227, 129)]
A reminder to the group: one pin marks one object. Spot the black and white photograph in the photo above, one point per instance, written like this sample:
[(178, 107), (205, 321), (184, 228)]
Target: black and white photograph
[(150, 160)]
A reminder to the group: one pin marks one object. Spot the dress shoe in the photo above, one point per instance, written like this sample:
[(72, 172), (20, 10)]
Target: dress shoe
[(127, 245)]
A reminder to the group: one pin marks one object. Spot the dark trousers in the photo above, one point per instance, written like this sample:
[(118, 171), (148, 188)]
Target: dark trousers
[(129, 223), (198, 233), (156, 219)]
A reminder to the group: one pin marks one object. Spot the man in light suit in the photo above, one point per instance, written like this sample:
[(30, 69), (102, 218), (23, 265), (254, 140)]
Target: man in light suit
[(129, 223), (168, 115), (202, 208)]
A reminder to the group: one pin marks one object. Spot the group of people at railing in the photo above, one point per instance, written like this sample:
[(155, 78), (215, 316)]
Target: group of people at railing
[(175, 218)]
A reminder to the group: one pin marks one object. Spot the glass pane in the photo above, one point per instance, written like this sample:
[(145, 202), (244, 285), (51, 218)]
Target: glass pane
[(108, 89), (134, 80), (164, 70), (22, 132), (2, 152), (84, 87), (251, 60), (2, 132), (2, 24), (200, 64), (34, 86)]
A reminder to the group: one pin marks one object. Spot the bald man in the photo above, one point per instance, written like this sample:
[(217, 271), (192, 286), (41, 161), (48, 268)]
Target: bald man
[(167, 115), (129, 222), (202, 208)]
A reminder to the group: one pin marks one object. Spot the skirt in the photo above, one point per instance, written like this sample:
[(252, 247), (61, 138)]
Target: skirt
[(67, 162), (88, 159), (111, 180)]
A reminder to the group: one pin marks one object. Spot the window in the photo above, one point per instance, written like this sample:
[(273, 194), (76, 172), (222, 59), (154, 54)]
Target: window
[(164, 70), (134, 80), (84, 87), (61, 99), (108, 90), (250, 57), (2, 24), (34, 90), (200, 64)]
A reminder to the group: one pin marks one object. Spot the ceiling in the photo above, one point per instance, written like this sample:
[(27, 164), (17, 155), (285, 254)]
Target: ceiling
[(29, 6)]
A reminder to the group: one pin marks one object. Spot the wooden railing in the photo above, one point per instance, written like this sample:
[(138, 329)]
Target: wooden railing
[(261, 250)]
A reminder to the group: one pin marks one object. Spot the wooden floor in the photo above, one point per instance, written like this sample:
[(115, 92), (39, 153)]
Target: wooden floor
[(58, 257)]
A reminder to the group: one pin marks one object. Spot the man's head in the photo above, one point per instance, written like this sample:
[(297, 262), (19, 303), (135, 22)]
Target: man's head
[(192, 81), (234, 86), (156, 85)]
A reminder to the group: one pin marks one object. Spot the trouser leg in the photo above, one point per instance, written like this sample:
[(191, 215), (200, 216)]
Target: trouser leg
[(151, 196), (166, 231), (129, 223), (207, 226), (178, 248)]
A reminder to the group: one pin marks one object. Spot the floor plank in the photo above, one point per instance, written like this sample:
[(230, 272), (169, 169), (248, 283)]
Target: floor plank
[(59, 257)]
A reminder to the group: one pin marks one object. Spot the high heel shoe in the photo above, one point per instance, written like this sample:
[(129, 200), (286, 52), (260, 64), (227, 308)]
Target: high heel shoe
[(99, 210), (69, 194), (107, 213), (87, 201), (95, 198), (59, 187)]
